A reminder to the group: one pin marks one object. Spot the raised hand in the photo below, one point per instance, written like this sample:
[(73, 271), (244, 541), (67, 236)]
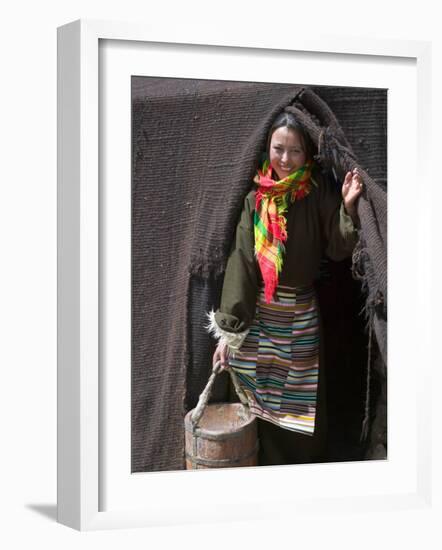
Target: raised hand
[(351, 189)]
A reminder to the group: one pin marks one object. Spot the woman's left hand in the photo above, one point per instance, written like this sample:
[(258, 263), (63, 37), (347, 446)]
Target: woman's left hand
[(351, 189)]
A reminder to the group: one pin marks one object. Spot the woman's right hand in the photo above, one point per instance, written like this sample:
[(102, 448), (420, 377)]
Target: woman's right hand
[(221, 354)]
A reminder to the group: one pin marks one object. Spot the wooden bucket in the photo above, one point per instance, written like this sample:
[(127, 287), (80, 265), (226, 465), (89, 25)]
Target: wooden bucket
[(226, 437), (220, 435)]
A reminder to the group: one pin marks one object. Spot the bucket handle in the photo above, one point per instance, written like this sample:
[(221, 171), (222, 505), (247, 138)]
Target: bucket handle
[(205, 394)]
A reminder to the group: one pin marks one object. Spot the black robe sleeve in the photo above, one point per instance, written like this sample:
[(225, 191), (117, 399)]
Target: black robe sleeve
[(339, 231), (240, 287)]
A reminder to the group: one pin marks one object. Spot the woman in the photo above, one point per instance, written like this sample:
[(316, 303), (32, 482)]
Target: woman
[(268, 322)]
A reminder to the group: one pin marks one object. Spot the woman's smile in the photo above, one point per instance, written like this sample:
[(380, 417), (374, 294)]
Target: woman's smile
[(284, 167)]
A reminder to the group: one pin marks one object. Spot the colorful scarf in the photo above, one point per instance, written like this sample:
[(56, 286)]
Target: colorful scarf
[(270, 222)]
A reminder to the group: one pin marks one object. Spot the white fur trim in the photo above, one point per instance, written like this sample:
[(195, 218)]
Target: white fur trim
[(231, 339)]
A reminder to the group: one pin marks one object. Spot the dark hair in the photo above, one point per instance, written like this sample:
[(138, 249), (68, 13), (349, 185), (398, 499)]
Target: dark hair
[(287, 120)]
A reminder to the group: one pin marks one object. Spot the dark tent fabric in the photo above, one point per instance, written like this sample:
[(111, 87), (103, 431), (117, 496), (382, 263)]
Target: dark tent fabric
[(195, 146)]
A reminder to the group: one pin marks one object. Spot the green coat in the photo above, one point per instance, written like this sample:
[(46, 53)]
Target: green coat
[(316, 224)]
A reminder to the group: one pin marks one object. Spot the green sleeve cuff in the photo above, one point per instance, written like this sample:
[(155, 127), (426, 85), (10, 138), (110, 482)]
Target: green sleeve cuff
[(227, 329), (346, 223)]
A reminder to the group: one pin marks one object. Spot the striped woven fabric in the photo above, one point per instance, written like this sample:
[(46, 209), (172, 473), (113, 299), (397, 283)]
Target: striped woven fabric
[(277, 365)]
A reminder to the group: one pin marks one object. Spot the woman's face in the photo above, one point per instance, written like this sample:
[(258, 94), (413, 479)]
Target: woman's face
[(286, 151)]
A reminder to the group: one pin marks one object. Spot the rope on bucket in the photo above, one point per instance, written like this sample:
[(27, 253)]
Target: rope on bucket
[(205, 394)]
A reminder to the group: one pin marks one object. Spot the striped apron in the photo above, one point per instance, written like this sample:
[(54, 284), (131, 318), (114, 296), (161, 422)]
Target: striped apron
[(277, 365)]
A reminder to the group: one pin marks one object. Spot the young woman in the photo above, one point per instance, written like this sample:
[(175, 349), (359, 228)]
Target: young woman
[(268, 322)]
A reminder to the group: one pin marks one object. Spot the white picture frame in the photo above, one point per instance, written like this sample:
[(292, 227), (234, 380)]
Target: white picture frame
[(80, 467)]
